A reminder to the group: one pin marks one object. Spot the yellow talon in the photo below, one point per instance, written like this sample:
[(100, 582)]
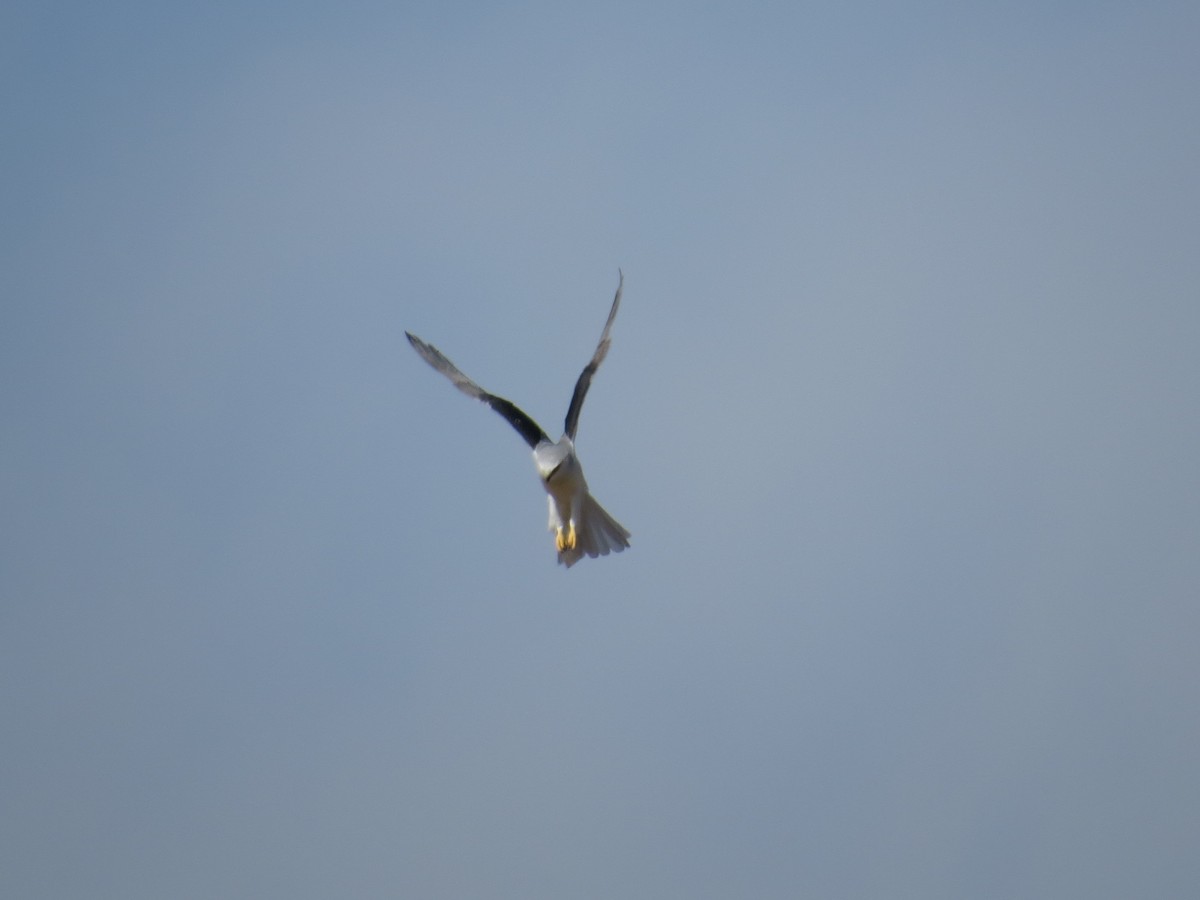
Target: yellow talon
[(565, 541)]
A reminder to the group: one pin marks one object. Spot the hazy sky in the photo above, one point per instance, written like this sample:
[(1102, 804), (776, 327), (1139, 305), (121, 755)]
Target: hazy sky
[(901, 410)]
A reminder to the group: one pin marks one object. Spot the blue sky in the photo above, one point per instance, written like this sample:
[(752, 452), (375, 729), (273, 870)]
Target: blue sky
[(900, 410)]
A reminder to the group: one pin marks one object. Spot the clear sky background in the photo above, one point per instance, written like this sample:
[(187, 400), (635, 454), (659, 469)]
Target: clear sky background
[(901, 410)]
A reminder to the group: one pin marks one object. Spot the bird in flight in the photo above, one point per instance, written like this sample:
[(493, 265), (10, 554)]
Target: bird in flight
[(580, 524)]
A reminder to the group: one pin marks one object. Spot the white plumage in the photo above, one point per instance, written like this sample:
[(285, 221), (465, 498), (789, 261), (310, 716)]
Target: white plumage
[(581, 526), (572, 509)]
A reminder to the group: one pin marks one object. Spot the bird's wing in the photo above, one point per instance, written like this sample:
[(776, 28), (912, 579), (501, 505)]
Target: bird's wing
[(585, 377), (529, 429)]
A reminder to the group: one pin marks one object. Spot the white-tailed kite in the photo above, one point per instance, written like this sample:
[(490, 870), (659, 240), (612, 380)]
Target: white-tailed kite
[(580, 524)]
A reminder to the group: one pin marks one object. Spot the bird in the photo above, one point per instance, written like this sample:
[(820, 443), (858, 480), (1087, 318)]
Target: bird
[(581, 526)]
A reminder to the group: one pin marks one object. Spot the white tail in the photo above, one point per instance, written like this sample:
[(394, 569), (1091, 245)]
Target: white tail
[(596, 534)]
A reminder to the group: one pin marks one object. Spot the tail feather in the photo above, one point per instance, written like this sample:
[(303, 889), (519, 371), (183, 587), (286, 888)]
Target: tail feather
[(596, 534)]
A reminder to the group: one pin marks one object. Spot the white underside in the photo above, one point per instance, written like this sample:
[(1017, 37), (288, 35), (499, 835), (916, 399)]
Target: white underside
[(596, 532)]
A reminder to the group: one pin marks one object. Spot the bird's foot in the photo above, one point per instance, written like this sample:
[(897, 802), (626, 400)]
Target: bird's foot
[(565, 541)]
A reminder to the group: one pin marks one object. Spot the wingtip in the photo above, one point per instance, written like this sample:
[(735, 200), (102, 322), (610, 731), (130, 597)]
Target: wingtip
[(423, 349)]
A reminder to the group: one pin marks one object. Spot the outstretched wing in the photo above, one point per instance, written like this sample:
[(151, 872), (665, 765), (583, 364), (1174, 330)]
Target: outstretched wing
[(585, 377), (529, 429)]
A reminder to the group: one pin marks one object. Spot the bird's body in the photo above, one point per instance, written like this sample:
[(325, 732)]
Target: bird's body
[(581, 526)]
